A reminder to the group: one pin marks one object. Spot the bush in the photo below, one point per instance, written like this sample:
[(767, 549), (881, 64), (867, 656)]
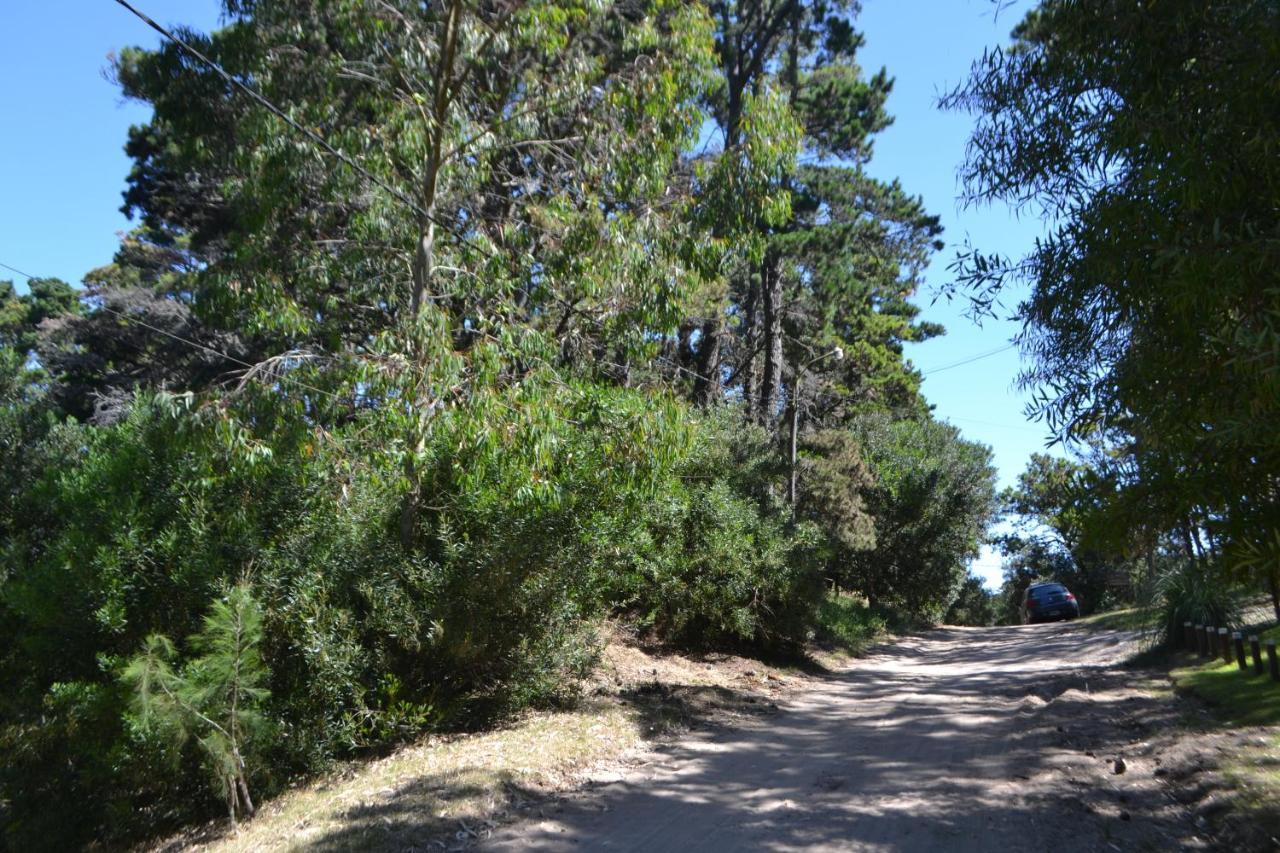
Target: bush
[(848, 623), (540, 507), (933, 496), (716, 558), (131, 530), (1195, 593)]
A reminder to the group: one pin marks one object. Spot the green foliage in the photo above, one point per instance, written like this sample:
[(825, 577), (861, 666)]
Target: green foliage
[(716, 558), (466, 434), (1192, 593), (1242, 698), (215, 697), (834, 476), (1146, 133), (933, 496), (848, 623), (21, 316), (543, 507), (973, 605)]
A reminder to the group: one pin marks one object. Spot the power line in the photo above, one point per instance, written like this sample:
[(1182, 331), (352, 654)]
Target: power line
[(668, 361), (1025, 426), (283, 116), (211, 350), (970, 359), (18, 271)]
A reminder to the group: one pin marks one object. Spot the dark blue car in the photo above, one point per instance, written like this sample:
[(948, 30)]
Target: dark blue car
[(1049, 601)]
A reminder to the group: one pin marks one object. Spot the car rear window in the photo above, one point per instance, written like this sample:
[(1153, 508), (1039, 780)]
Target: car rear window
[(1045, 591)]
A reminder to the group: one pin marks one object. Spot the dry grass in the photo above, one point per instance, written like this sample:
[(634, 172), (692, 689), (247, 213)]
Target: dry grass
[(441, 788), (445, 792)]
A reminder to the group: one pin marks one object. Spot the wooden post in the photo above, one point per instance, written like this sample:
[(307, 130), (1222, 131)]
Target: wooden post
[(1255, 649), (1237, 640), (1200, 641), (1211, 636), (1224, 645), (1273, 660), (1188, 637)]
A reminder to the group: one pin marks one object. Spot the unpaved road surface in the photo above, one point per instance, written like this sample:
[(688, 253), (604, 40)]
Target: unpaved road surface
[(957, 740)]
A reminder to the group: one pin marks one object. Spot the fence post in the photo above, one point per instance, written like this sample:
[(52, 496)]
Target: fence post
[(1255, 648), (1237, 639), (1211, 634), (1188, 637), (1224, 645), (1273, 660), (1201, 648)]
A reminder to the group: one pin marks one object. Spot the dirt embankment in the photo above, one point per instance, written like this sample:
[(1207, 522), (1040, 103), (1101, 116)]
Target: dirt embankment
[(451, 792)]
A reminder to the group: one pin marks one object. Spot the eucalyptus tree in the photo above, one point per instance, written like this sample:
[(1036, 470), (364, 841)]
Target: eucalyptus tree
[(481, 190), (1146, 133)]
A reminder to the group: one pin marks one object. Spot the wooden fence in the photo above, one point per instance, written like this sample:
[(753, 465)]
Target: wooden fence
[(1210, 641)]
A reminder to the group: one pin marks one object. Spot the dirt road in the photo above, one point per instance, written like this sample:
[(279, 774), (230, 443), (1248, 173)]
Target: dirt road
[(958, 740)]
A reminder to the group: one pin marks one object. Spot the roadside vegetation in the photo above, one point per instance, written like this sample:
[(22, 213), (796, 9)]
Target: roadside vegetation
[(1241, 716), (846, 624), (377, 415), (1149, 320), (539, 314), (1247, 700)]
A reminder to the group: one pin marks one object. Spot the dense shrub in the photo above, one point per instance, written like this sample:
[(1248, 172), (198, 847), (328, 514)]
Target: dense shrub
[(715, 556), (846, 622), (134, 529), (932, 497), (1193, 592), (540, 508)]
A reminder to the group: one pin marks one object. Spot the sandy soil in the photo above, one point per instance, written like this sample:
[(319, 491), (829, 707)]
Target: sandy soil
[(958, 740)]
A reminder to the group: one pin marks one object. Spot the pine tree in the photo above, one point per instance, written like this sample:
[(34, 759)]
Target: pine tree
[(215, 697)]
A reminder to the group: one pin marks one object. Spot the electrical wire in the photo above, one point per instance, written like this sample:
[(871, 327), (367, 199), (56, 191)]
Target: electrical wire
[(283, 116), (969, 360), (18, 271)]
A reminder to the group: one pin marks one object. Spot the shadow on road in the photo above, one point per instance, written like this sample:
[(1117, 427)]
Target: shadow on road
[(960, 739)]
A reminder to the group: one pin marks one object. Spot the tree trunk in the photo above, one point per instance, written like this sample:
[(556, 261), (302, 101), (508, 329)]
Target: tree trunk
[(1274, 588), (231, 801), (1186, 544), (685, 355), (771, 381), (706, 387), (751, 339), (425, 256), (245, 800)]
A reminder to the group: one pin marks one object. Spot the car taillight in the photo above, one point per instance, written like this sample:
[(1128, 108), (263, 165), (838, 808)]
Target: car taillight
[(1070, 597), (1031, 602)]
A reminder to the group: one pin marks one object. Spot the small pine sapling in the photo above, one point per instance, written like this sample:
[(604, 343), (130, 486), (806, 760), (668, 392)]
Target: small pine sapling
[(215, 696)]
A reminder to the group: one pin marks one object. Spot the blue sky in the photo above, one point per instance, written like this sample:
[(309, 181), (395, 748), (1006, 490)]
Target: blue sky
[(927, 47), (62, 169)]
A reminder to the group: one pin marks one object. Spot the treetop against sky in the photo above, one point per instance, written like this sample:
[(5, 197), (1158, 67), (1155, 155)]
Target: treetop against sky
[(68, 170)]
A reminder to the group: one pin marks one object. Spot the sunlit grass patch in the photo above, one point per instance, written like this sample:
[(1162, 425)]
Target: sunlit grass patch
[(442, 786), (1240, 697), (1126, 619)]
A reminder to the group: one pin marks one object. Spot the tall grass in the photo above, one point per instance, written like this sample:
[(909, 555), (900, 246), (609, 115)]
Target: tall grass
[(1194, 593)]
